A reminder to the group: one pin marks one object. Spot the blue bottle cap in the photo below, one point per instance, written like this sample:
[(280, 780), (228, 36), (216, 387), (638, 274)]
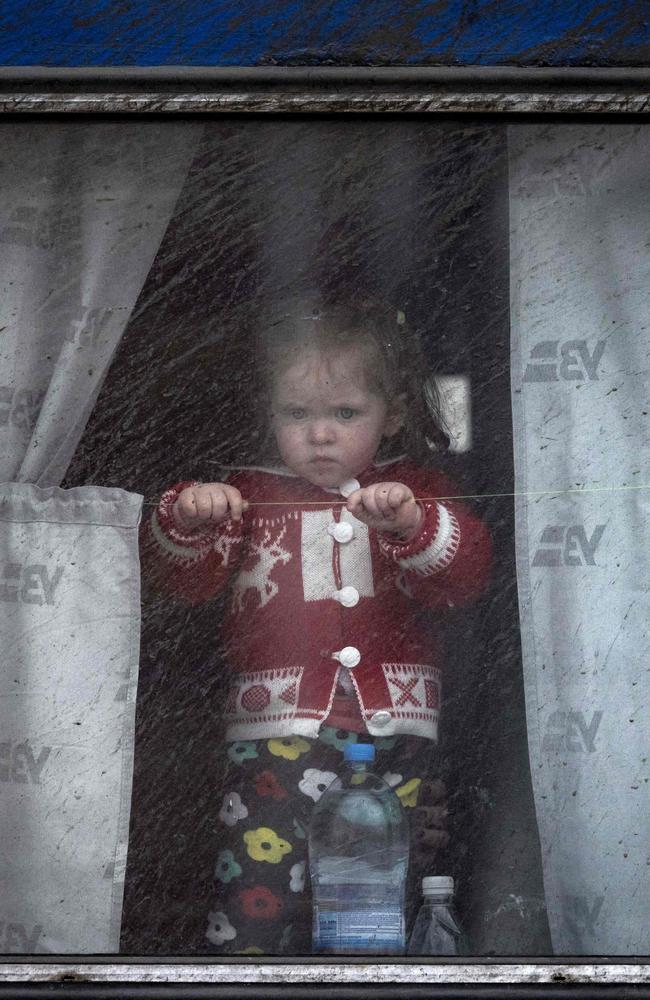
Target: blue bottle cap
[(359, 751)]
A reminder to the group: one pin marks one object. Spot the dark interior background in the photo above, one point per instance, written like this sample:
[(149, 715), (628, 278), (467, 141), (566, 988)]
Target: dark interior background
[(415, 211)]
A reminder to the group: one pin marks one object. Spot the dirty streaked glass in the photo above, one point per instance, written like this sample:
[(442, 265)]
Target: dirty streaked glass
[(381, 387)]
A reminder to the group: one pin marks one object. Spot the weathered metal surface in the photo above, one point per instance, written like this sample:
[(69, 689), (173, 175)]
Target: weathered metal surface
[(378, 103), (192, 90), (251, 972)]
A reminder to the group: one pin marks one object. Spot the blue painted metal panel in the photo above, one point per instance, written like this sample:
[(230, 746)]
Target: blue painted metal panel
[(341, 32)]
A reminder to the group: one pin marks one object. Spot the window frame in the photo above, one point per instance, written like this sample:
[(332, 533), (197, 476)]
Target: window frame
[(502, 94)]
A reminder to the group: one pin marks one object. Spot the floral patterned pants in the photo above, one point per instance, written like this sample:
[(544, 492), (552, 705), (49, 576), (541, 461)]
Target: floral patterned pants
[(262, 904)]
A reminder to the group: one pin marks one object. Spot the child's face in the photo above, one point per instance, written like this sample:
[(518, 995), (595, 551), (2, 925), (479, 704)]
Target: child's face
[(328, 424)]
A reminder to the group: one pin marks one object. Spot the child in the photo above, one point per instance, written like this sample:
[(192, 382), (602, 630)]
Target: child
[(333, 555)]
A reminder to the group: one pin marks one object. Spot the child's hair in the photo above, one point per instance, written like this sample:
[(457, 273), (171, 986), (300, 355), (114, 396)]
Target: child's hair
[(394, 362)]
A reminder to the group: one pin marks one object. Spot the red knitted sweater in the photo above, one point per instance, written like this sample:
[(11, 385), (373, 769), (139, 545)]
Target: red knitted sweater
[(314, 593)]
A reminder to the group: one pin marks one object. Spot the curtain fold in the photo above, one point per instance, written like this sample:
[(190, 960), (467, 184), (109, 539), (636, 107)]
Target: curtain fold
[(83, 208), (580, 230), (70, 605)]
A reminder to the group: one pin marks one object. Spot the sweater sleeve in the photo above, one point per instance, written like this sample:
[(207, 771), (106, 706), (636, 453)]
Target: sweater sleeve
[(448, 563), (195, 565)]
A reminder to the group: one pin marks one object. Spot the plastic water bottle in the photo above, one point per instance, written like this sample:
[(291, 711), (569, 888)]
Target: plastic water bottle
[(436, 930), (358, 858)]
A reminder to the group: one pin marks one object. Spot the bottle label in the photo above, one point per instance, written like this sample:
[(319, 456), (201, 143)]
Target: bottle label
[(380, 929)]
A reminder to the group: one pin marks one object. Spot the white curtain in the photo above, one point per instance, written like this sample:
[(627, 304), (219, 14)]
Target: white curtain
[(83, 208), (580, 264)]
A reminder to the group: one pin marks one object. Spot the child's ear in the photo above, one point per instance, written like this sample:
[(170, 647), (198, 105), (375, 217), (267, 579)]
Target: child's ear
[(396, 416)]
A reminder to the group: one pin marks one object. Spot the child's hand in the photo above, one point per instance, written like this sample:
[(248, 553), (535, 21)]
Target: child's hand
[(210, 503), (389, 507)]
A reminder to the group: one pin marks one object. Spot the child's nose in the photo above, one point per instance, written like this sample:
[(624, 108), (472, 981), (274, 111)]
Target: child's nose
[(321, 431)]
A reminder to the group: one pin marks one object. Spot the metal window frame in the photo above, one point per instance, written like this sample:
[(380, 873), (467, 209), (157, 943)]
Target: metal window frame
[(500, 93), (331, 90)]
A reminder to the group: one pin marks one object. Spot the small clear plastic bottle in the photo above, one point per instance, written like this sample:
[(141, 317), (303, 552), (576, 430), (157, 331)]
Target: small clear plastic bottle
[(436, 930)]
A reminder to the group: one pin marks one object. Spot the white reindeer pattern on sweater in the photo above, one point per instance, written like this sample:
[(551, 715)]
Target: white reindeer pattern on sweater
[(269, 553)]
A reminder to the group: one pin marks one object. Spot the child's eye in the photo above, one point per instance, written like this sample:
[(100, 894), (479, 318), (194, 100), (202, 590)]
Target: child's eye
[(298, 413), (346, 413)]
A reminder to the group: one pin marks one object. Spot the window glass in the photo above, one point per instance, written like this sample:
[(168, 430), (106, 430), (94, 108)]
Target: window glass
[(324, 260), (380, 385)]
